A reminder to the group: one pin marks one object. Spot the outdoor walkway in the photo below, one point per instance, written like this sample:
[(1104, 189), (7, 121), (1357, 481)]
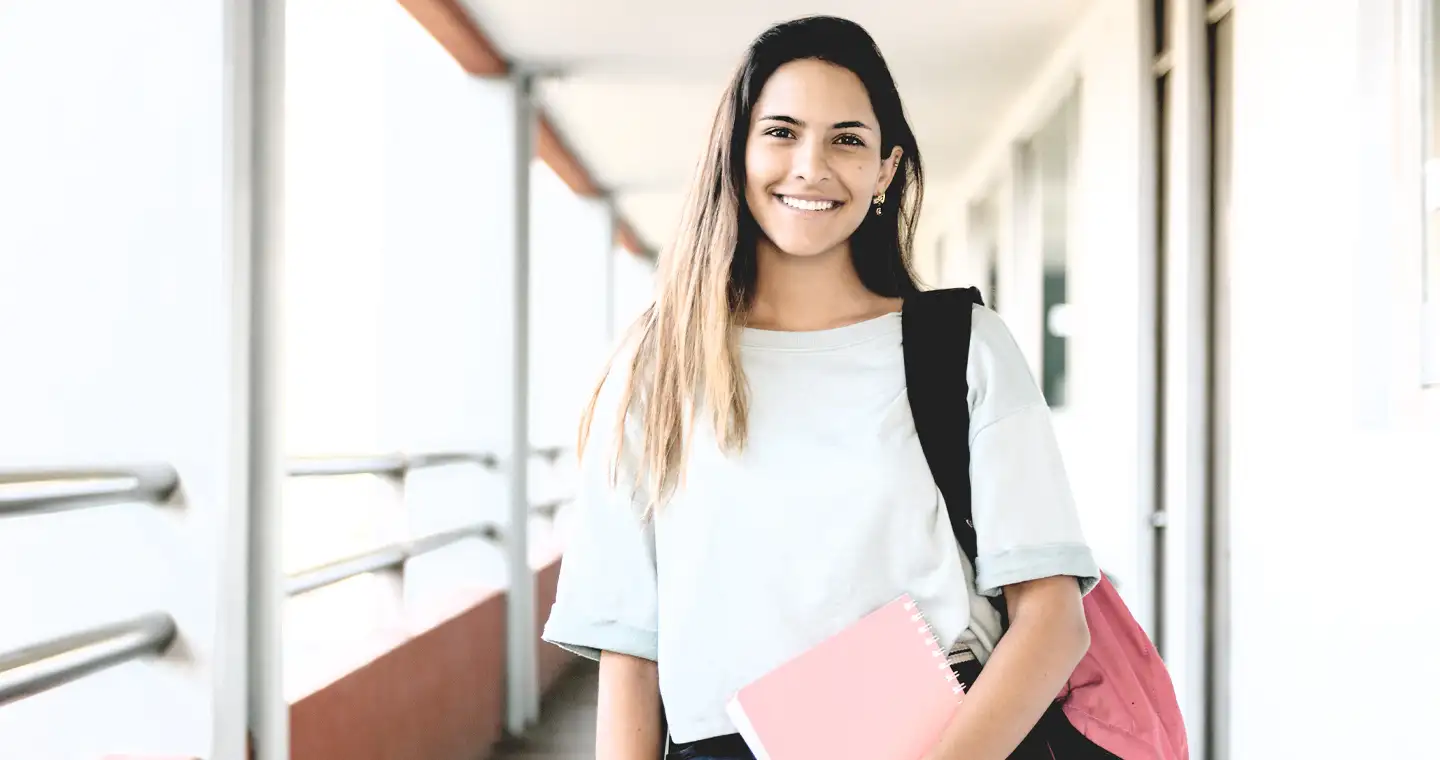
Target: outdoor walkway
[(566, 730)]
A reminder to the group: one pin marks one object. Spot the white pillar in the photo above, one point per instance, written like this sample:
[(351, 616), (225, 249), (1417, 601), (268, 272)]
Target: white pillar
[(611, 250), (255, 168), (522, 697), (1185, 374)]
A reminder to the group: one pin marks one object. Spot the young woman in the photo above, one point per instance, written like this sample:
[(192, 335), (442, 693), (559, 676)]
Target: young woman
[(751, 477)]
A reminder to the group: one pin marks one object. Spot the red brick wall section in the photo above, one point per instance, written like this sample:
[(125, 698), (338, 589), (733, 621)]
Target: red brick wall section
[(436, 695), (439, 695)]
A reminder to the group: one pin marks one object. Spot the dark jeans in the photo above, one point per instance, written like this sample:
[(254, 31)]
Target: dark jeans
[(1053, 738)]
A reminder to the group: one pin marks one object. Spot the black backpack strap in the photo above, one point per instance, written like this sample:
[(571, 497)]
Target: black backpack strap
[(935, 331)]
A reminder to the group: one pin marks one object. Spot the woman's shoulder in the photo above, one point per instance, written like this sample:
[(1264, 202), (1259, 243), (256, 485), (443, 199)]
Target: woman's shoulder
[(999, 377)]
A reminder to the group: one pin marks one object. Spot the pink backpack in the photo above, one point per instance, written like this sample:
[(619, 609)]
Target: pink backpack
[(1120, 697)]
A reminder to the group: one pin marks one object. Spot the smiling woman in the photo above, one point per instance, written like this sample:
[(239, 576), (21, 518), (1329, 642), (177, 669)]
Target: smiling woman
[(811, 116), (770, 372)]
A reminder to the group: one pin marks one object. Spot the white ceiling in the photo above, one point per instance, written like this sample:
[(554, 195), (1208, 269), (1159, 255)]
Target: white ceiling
[(640, 79)]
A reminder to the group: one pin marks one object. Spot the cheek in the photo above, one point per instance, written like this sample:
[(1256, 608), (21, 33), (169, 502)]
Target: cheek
[(761, 169), (860, 181), (761, 175)]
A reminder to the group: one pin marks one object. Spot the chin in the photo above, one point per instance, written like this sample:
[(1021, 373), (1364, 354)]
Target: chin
[(804, 249), (804, 246)]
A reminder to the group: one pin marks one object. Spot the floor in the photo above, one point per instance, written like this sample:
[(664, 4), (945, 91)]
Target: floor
[(567, 721)]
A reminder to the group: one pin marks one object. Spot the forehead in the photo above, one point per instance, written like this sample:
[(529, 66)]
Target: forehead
[(814, 91)]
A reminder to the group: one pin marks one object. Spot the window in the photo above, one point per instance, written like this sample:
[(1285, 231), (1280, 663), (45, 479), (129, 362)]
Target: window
[(1049, 159)]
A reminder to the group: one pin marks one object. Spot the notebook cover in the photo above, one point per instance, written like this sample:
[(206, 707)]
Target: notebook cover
[(880, 690)]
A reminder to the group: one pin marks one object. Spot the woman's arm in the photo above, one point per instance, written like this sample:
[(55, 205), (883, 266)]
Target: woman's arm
[(1046, 640), (627, 721)]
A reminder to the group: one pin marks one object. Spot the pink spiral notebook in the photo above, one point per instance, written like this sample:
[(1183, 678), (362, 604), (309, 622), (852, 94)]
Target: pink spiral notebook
[(880, 690)]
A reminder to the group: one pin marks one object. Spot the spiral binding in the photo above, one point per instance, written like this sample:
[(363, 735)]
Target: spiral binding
[(936, 650)]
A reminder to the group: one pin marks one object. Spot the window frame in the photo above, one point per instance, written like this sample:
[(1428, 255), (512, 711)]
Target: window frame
[(1419, 75)]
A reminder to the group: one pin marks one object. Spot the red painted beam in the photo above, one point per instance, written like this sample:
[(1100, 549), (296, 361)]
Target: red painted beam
[(451, 26), (626, 238), (553, 151)]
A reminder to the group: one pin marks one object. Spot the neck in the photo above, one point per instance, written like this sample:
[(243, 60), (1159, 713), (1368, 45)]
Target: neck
[(810, 292)]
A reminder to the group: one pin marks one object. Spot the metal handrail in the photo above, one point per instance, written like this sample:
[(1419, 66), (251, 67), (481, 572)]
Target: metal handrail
[(383, 558), (548, 509), (43, 490), (551, 453), (40, 667), (384, 464), (397, 464)]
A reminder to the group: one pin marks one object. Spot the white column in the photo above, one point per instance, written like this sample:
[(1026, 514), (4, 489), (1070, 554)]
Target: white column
[(522, 697), (255, 156), (608, 250), (1185, 375)]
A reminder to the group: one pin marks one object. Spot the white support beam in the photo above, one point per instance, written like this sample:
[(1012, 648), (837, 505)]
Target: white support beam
[(609, 249), (255, 160), (522, 690), (1185, 375)]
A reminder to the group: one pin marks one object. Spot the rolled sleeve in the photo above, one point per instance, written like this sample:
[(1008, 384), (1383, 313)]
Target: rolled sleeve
[(1026, 522), (588, 638), (606, 596)]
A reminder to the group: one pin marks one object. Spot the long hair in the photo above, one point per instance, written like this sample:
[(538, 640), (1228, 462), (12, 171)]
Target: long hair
[(684, 357)]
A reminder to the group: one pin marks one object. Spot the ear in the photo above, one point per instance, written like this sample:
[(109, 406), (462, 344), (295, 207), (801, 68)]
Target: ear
[(888, 166)]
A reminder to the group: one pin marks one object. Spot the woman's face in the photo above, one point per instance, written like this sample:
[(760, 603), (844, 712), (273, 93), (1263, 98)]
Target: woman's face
[(812, 158)]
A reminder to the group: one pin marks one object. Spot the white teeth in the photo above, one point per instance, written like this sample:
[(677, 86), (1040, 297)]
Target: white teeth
[(804, 205)]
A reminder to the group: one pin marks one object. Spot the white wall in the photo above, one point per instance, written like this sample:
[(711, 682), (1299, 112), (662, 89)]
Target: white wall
[(118, 325), (1100, 426), (1333, 503), (1333, 445), (634, 288), (571, 237)]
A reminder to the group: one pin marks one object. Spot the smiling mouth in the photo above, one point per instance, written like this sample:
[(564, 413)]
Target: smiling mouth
[(800, 204)]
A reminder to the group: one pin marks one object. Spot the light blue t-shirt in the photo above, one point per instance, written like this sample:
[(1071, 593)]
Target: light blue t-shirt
[(829, 513)]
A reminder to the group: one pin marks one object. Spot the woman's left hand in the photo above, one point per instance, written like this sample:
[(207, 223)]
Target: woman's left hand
[(1047, 638)]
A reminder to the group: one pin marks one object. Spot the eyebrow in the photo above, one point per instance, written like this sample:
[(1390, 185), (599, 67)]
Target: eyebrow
[(836, 125)]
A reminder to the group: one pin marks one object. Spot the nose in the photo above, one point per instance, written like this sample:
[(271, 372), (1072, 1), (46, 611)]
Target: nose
[(810, 161)]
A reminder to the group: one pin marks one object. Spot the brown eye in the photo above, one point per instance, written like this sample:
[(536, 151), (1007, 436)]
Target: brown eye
[(783, 133), (850, 140)]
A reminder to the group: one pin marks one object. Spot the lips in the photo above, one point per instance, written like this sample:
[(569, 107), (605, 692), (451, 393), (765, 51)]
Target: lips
[(803, 204)]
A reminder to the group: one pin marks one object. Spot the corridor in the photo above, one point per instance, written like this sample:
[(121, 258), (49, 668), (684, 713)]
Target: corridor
[(301, 302), (566, 730)]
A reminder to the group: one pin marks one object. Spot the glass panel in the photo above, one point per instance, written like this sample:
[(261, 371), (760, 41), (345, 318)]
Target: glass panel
[(1054, 153), (1161, 18)]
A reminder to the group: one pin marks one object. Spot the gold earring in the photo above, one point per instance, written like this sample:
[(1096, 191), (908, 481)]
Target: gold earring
[(879, 204)]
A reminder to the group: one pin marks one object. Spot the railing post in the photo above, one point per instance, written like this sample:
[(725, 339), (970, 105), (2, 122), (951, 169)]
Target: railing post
[(522, 691), (394, 527)]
